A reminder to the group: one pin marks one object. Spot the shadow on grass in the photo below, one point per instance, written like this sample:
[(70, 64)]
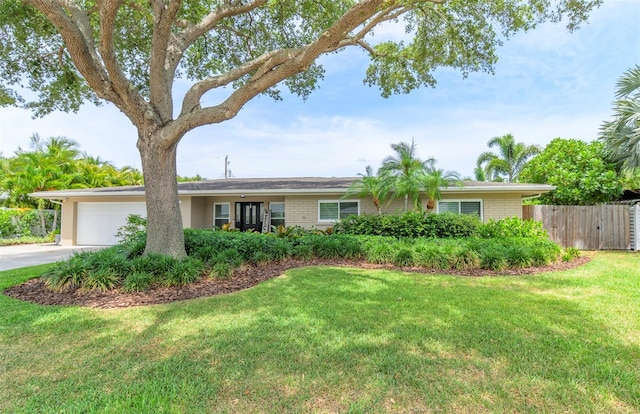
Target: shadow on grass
[(329, 339)]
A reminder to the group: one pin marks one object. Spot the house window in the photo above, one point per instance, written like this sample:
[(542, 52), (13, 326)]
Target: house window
[(336, 210), (221, 214), (277, 214), (461, 207)]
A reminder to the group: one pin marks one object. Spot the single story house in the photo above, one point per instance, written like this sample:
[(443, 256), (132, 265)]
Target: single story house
[(93, 216)]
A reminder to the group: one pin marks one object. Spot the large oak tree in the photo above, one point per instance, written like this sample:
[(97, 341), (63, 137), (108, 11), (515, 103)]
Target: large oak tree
[(130, 52)]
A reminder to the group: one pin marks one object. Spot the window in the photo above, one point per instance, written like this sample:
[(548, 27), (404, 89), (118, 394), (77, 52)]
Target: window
[(336, 210), (277, 214), (461, 207), (221, 214)]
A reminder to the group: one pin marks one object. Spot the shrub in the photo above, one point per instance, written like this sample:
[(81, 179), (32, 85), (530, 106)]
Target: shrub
[(404, 257), (279, 249), (67, 275), (135, 229), (570, 253), (411, 224), (101, 279), (512, 227), (230, 257), (493, 259), (138, 282), (221, 271), (183, 272), (519, 256), (260, 257), (462, 258), (303, 251), (431, 256)]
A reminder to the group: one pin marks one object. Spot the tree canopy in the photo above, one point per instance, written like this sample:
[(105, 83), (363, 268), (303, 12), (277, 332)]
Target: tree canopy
[(132, 53), (579, 170), (621, 136)]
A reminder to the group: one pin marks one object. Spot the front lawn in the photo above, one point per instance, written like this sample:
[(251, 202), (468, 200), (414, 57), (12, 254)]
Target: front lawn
[(333, 339)]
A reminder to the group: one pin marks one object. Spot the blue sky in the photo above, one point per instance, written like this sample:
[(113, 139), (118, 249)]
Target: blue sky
[(548, 83)]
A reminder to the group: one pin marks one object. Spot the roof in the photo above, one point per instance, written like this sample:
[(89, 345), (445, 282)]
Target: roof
[(299, 185)]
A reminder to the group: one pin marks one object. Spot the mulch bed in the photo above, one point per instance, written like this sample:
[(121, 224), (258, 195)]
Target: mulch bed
[(35, 291)]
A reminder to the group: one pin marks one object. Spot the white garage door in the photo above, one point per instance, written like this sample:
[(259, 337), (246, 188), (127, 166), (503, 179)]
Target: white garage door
[(99, 222)]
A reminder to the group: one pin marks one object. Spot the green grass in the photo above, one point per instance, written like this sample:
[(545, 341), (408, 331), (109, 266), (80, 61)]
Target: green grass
[(339, 340)]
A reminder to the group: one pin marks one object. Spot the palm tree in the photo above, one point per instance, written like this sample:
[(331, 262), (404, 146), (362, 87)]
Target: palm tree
[(434, 180), (511, 157), (621, 136), (372, 186), (404, 171)]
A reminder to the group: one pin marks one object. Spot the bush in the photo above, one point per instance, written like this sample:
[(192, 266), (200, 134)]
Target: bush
[(221, 271), (138, 282), (512, 227), (26, 222), (134, 230), (411, 224), (431, 256), (101, 279), (183, 272), (222, 252), (570, 253), (404, 257)]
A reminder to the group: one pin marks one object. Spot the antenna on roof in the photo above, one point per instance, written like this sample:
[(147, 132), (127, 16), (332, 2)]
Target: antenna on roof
[(227, 172)]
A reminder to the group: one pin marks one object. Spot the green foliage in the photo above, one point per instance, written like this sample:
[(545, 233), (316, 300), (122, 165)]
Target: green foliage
[(512, 227), (219, 253), (222, 270), (101, 279), (135, 229), (25, 222), (621, 136), (57, 164), (432, 255), (229, 256), (303, 251), (138, 282), (411, 224), (570, 253), (579, 170), (182, 272), (507, 164), (404, 257), (8, 220)]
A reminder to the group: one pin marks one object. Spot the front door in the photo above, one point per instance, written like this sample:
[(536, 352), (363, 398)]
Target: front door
[(249, 216)]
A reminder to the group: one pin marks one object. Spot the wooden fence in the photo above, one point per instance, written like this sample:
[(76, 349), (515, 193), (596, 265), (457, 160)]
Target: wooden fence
[(604, 227)]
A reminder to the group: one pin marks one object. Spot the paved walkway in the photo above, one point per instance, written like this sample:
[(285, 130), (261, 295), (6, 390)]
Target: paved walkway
[(13, 257)]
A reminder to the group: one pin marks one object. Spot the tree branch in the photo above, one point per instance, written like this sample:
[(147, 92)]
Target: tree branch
[(76, 34), (161, 69), (271, 68)]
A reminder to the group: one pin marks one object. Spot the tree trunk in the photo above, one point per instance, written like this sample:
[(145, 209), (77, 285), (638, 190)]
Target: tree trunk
[(165, 234)]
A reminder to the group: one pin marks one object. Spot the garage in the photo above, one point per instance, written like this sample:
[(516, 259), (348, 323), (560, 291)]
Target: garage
[(99, 222)]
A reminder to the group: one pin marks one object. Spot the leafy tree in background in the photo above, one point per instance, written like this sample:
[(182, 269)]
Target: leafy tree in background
[(509, 160), (621, 136), (131, 53), (579, 170), (57, 164)]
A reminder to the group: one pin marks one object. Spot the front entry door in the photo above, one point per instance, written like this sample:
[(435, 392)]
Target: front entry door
[(249, 216)]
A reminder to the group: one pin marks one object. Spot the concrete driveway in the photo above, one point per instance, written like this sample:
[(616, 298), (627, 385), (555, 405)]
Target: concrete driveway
[(13, 257)]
